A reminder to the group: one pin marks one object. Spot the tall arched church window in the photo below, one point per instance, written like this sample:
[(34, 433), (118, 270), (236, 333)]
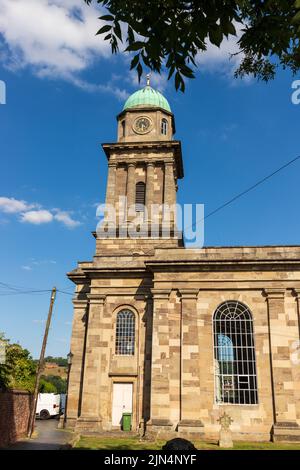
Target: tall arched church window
[(234, 353), (140, 196), (125, 333), (164, 126)]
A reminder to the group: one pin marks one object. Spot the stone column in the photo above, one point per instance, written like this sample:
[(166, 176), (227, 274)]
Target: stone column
[(169, 190), (149, 188), (130, 184), (90, 418), (190, 364), (76, 369), (284, 406), (160, 365), (111, 184)]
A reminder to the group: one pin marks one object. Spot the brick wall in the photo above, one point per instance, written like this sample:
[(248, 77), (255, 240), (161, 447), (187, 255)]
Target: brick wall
[(14, 415)]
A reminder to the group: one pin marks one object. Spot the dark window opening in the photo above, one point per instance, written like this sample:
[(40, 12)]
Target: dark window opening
[(164, 126), (140, 196)]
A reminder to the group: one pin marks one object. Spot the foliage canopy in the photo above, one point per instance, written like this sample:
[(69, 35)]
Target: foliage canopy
[(172, 33)]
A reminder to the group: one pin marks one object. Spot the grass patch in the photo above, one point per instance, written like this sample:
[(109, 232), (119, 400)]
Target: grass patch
[(135, 443)]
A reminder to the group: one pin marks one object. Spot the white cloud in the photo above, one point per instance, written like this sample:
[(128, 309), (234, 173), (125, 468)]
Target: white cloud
[(56, 39), (66, 219), (12, 205), (54, 36), (33, 264), (224, 59), (26, 268), (37, 217), (158, 81)]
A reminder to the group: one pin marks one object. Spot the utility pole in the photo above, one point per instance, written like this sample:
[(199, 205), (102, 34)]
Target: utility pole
[(40, 366)]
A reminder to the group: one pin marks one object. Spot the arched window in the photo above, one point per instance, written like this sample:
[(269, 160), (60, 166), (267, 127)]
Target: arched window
[(164, 126), (125, 333), (140, 195), (234, 351)]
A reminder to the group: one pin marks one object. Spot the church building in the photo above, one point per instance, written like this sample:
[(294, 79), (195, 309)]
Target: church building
[(173, 335)]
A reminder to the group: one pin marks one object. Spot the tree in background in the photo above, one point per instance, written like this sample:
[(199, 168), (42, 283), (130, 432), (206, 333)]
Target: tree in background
[(19, 370), (54, 382), (173, 33), (46, 386), (60, 361)]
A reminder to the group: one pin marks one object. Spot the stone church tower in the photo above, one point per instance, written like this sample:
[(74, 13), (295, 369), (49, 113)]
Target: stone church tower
[(176, 336)]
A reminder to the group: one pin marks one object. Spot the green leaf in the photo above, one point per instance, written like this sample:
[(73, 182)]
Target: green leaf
[(104, 29), (134, 61), (296, 18), (106, 18), (117, 31), (139, 71), (135, 46), (297, 4), (216, 36)]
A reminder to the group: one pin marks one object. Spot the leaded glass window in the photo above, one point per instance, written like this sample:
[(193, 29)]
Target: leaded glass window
[(125, 333), (234, 352)]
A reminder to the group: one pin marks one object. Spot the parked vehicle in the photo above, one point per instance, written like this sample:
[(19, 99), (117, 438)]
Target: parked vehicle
[(48, 405)]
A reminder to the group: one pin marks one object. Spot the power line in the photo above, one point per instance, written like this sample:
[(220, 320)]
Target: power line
[(227, 203), (246, 191)]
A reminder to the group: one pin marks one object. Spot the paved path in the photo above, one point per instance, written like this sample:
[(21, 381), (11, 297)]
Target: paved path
[(47, 437)]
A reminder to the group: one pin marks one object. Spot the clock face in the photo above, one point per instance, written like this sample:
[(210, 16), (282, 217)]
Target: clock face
[(142, 125)]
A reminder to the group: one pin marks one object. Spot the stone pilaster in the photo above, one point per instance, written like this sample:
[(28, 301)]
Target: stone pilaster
[(285, 426), (190, 364), (130, 184), (149, 188), (90, 418), (111, 184), (76, 369), (160, 365), (169, 192)]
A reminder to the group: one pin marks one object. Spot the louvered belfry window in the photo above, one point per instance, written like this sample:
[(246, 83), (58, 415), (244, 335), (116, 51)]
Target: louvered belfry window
[(140, 194)]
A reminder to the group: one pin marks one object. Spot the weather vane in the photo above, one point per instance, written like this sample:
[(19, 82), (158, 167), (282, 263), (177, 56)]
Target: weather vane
[(148, 78)]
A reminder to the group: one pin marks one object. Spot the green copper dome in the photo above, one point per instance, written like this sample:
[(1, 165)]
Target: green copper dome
[(148, 97)]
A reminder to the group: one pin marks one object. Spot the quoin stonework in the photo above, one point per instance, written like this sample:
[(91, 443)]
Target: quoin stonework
[(178, 336)]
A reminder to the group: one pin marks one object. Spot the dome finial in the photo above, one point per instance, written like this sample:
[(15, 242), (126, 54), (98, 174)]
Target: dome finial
[(148, 78)]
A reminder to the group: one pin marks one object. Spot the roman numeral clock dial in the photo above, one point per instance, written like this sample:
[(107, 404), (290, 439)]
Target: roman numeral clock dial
[(142, 125)]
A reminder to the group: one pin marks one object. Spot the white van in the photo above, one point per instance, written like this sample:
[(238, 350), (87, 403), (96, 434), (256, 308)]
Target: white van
[(48, 405)]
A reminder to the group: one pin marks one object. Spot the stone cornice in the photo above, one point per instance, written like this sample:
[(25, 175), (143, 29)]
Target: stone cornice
[(79, 303), (160, 293), (96, 298), (274, 293), (174, 145), (157, 265), (187, 293)]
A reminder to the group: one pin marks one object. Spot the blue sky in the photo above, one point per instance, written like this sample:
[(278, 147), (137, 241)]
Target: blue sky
[(64, 91)]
